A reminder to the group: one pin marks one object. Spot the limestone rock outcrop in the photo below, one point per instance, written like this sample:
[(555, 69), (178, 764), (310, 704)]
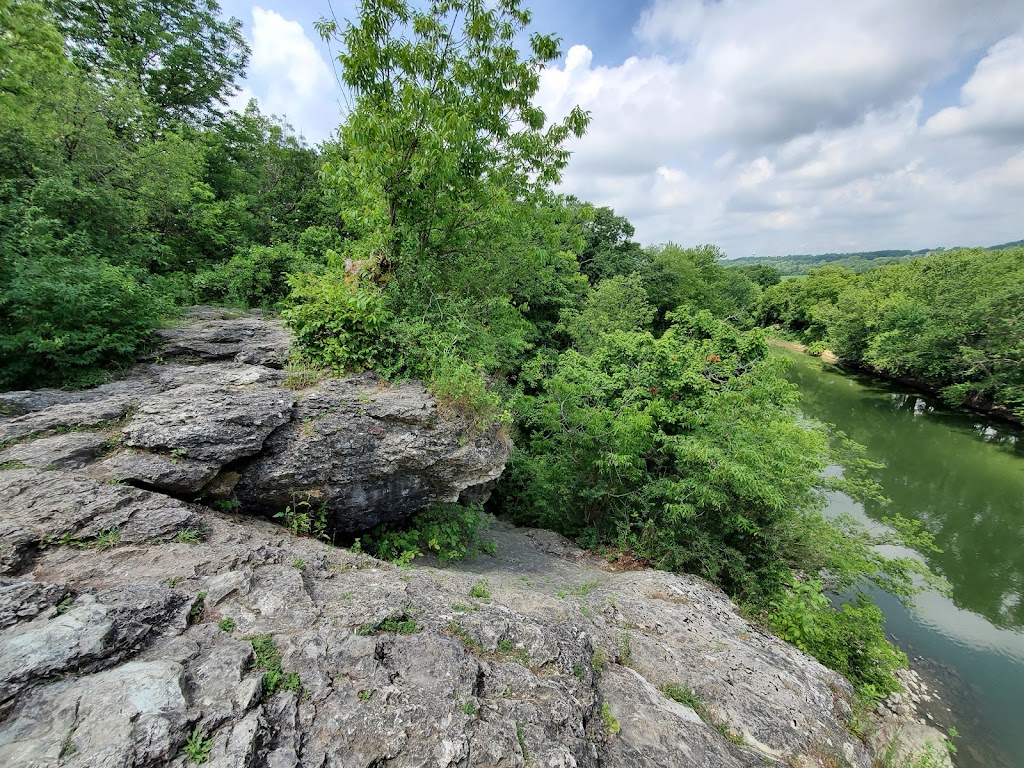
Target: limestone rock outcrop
[(215, 414)]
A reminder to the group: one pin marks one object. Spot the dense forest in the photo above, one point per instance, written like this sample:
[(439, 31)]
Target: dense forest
[(427, 241)]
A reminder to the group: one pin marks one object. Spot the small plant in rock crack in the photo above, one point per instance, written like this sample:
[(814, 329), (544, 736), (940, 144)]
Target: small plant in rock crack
[(198, 608), (268, 658), (189, 535), (611, 722), (400, 624), (301, 518), (107, 538), (197, 749), (227, 624), (480, 591)]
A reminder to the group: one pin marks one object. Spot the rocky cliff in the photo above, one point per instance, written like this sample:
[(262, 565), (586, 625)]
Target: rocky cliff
[(140, 625)]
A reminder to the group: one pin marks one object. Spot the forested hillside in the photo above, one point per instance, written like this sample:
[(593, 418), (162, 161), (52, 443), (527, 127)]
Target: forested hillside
[(427, 241), (127, 187), (802, 264), (953, 322)]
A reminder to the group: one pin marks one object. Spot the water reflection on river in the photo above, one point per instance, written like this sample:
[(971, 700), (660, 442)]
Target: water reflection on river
[(962, 476)]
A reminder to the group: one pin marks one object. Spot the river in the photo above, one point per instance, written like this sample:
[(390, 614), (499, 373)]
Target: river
[(962, 476)]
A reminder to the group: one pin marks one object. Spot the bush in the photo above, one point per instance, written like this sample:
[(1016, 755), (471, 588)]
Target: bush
[(67, 320), (257, 277), (686, 449), (338, 324), (850, 639), (451, 531)]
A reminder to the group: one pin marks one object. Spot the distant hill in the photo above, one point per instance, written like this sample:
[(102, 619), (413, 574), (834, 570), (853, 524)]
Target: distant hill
[(801, 264)]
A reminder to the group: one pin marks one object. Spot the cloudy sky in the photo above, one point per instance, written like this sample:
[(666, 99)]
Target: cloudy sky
[(765, 126)]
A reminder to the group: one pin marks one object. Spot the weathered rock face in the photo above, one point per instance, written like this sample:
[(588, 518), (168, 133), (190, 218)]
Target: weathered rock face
[(371, 454), (115, 656), (223, 420)]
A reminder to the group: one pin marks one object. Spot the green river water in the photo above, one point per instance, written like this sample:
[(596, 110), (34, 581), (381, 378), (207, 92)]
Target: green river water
[(962, 476)]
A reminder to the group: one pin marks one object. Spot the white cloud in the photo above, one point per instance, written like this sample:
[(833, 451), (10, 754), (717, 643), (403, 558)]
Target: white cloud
[(992, 100), (290, 76), (796, 125)]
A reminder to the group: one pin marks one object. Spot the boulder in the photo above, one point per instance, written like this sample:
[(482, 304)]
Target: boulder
[(369, 453), (209, 417)]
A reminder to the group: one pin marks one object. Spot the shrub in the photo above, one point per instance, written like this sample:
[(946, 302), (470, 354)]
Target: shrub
[(451, 531), (68, 320), (850, 639), (257, 277)]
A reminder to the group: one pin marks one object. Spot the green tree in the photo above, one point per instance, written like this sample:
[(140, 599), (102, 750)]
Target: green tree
[(182, 55), (442, 178), (692, 279), (608, 249), (616, 304)]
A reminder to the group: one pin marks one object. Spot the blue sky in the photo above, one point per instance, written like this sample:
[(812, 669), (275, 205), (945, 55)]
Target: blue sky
[(764, 126)]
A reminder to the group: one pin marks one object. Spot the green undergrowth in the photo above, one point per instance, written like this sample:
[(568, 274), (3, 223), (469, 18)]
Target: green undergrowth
[(399, 624), (451, 532)]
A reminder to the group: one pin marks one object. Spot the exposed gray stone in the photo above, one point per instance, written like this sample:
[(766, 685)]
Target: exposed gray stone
[(46, 507), (208, 422), (133, 715), (68, 451), (89, 414), (214, 333), (174, 474), (372, 453), (24, 600)]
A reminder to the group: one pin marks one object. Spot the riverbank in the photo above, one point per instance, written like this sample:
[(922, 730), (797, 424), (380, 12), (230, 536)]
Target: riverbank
[(918, 386)]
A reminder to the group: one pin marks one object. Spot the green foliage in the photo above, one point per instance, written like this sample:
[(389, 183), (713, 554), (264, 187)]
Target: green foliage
[(302, 518), (692, 279), (256, 278), (197, 749), (616, 304), (195, 613), (227, 625), (268, 658), (399, 624), (480, 590), (181, 52), (611, 723), (685, 448), (684, 695), (450, 531), (189, 535), (850, 639), (461, 257), (949, 321), (608, 250), (67, 320)]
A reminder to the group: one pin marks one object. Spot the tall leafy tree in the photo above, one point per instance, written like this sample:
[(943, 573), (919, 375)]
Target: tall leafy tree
[(181, 53), (444, 177), (444, 134)]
